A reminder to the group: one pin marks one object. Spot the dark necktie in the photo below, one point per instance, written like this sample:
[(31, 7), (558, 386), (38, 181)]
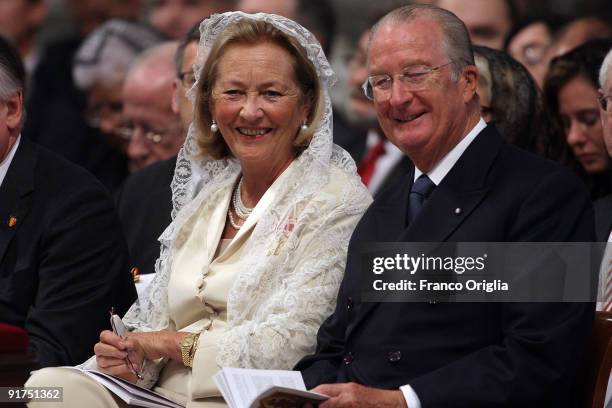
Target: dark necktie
[(421, 189)]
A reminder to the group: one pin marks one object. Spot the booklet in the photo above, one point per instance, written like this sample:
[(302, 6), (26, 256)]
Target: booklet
[(132, 394), (247, 388)]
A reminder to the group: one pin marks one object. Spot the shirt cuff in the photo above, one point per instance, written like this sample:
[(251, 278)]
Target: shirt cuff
[(412, 399)]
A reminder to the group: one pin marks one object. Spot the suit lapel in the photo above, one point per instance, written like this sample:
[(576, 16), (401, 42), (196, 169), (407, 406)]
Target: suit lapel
[(389, 220), (464, 187), (459, 193), (15, 193)]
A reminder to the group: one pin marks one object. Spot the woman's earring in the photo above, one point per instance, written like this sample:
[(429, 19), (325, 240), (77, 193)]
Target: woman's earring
[(303, 127), (213, 126)]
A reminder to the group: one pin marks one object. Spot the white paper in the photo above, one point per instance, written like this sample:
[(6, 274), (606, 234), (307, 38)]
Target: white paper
[(241, 386)]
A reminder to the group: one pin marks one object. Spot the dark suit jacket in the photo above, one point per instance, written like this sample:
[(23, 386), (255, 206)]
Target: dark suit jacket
[(467, 354), (144, 203), (63, 258), (603, 218)]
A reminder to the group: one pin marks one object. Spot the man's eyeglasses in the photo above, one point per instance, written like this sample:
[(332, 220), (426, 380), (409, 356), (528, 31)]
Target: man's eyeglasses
[(156, 137), (414, 78), (187, 78), (606, 103)]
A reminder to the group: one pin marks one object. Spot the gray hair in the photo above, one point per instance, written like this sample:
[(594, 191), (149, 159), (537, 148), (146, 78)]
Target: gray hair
[(8, 83), (455, 36), (12, 72), (107, 53), (605, 69)]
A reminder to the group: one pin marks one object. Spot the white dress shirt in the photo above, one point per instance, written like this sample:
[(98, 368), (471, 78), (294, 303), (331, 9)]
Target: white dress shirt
[(6, 162), (436, 175)]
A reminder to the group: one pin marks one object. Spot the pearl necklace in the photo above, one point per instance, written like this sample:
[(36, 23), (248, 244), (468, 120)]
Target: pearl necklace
[(240, 209)]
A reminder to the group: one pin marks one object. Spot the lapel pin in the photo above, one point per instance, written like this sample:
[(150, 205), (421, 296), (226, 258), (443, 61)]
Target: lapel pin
[(12, 221), (457, 211)]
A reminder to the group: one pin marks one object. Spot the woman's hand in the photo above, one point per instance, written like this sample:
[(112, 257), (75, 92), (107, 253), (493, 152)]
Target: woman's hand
[(112, 351)]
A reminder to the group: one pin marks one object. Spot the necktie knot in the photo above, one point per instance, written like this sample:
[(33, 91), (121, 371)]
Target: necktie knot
[(423, 186)]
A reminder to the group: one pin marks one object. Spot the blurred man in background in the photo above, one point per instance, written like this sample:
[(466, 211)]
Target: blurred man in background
[(144, 201), (155, 130)]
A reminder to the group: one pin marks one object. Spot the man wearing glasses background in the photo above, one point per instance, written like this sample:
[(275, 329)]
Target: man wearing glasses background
[(153, 128), (144, 201), (467, 185)]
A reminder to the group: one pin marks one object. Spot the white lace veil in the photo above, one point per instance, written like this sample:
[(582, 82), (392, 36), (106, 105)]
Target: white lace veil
[(196, 180)]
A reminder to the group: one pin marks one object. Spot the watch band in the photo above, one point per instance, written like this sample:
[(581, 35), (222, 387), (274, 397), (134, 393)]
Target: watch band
[(188, 347)]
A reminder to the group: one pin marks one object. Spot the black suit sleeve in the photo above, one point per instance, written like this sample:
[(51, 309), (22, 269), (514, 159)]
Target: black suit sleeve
[(322, 367), (83, 270), (542, 344)]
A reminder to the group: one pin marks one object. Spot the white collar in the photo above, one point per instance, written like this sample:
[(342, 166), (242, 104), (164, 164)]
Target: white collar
[(441, 169), (6, 162)]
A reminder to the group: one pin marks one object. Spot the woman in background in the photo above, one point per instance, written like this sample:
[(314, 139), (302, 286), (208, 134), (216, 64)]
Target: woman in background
[(570, 92), (510, 98)]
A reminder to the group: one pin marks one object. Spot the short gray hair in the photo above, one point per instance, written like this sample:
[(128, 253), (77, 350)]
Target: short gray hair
[(604, 72), (455, 36), (8, 83)]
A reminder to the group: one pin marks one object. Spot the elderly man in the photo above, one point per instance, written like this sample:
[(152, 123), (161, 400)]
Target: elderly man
[(467, 185), (63, 259), (144, 201), (155, 130)]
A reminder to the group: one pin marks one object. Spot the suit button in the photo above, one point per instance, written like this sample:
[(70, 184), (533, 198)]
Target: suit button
[(349, 303), (394, 356), (348, 358)]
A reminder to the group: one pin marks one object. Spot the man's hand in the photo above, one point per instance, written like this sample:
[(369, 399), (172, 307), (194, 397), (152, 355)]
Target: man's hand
[(355, 395)]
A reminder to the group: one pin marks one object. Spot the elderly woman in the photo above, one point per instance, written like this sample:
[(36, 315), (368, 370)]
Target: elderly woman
[(264, 206), (570, 93), (510, 98)]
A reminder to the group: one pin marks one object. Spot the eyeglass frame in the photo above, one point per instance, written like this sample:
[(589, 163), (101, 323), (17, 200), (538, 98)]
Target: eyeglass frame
[(425, 75), (126, 132)]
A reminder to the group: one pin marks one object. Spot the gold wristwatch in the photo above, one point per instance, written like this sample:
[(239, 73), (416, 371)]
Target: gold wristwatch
[(188, 346)]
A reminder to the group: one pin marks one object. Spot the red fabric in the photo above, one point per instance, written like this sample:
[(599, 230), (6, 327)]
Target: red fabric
[(368, 164), (13, 339)]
